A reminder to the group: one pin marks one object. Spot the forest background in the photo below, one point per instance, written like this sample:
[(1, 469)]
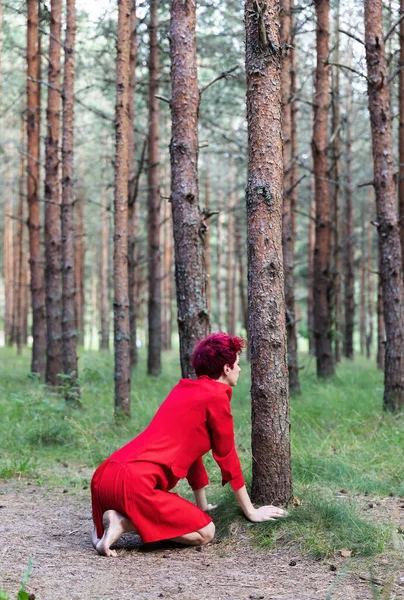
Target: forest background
[(344, 445)]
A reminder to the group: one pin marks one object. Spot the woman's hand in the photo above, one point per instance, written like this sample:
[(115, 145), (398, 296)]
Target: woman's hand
[(210, 507), (266, 513)]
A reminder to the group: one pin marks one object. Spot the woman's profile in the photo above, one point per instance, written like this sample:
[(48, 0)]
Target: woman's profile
[(131, 489)]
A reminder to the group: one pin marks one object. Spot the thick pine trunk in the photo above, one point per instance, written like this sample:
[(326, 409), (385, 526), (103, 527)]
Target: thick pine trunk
[(121, 291), (153, 216), (271, 467), (104, 283), (68, 276), (53, 288), (387, 219), (188, 222), (33, 183), (349, 274), (132, 192), (288, 239), (79, 263), (322, 250)]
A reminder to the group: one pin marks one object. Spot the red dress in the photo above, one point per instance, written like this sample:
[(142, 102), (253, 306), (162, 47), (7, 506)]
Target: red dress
[(135, 480)]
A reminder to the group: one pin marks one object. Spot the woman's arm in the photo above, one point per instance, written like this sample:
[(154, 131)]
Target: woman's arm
[(257, 515), (200, 500)]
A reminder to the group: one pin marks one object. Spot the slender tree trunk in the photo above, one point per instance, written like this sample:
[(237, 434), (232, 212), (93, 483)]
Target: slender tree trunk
[(219, 265), (104, 284), (8, 259), (288, 233), (33, 183), (381, 330), (271, 468), (208, 253), (369, 276), (335, 174), (154, 241), (167, 320), (322, 251), (388, 227), (19, 272), (68, 276), (230, 291), (310, 269), (121, 292), (132, 225), (79, 262), (362, 287), (401, 135), (349, 269), (188, 221), (239, 247), (54, 364)]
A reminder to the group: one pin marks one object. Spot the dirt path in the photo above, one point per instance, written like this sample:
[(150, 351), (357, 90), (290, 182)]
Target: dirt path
[(54, 529)]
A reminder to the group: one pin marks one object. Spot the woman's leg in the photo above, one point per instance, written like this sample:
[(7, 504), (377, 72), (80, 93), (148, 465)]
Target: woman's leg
[(197, 538), (115, 524)]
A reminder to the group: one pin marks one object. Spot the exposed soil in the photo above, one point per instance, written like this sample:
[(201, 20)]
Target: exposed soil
[(54, 529)]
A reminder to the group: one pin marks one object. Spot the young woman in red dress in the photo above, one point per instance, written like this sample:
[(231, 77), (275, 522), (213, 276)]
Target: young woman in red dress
[(131, 489)]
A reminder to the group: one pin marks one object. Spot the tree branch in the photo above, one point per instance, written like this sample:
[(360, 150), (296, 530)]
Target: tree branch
[(42, 82), (163, 98), (392, 28), (340, 66), (223, 75), (352, 36)]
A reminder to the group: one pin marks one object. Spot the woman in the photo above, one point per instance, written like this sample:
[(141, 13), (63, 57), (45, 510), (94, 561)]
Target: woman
[(131, 489)]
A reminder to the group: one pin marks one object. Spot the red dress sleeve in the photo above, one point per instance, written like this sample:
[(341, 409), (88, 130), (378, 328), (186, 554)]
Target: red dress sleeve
[(197, 475), (220, 423)]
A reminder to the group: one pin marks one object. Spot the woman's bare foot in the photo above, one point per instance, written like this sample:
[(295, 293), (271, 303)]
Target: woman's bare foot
[(115, 524)]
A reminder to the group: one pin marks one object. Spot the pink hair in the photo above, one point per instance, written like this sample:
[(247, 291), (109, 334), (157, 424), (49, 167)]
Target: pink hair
[(214, 352)]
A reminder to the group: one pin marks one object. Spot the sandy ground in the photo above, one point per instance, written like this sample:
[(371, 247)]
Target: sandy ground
[(54, 528)]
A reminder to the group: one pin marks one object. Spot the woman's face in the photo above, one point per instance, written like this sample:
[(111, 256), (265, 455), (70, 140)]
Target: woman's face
[(232, 374)]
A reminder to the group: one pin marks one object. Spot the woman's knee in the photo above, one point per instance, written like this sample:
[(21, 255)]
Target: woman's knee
[(207, 533)]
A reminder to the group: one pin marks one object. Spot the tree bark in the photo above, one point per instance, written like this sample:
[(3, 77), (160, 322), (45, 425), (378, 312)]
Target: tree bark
[(230, 290), (288, 233), (381, 330), (322, 250), (121, 292), (19, 266), (349, 268), (310, 267), (68, 277), (188, 222), (335, 175), (388, 226), (219, 265), (240, 251), (53, 299), (154, 243), (167, 287), (79, 263), (401, 135), (132, 221), (33, 183), (271, 468), (369, 276), (104, 283), (362, 286), (208, 252)]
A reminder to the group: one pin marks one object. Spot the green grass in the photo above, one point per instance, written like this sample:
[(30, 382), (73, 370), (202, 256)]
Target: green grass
[(341, 438)]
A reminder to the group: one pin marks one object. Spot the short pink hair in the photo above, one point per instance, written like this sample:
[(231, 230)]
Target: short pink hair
[(214, 352)]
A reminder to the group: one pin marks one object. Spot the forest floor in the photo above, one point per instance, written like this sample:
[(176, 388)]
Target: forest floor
[(53, 527)]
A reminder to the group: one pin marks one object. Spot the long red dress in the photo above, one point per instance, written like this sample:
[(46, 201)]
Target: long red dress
[(135, 480)]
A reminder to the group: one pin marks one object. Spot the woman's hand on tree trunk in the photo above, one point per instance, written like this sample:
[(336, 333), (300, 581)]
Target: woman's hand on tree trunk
[(266, 513)]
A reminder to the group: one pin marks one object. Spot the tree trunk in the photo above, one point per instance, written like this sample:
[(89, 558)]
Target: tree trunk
[(219, 265), (288, 233), (8, 259), (381, 330), (33, 183), (349, 269), (188, 221), (271, 467), (68, 276), (167, 319), (401, 135), (240, 250), (335, 175), (362, 288), (310, 268), (154, 242), (322, 250), (54, 363), (121, 292), (388, 226), (104, 284), (19, 271), (208, 253), (369, 276), (132, 192), (79, 262), (230, 290)]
